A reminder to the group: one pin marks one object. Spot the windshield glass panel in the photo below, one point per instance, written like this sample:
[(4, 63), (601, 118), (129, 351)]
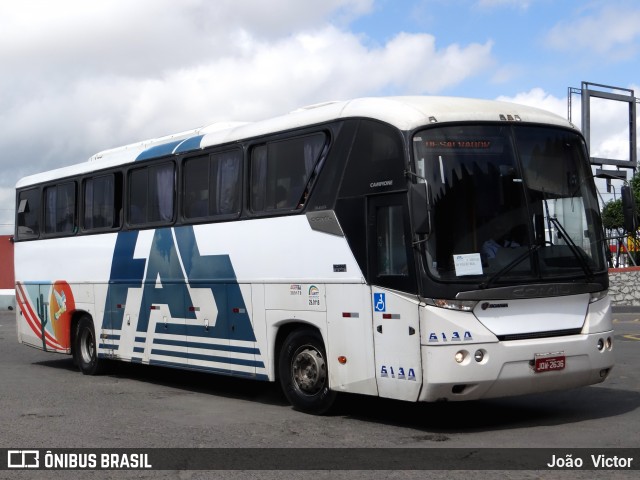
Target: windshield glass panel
[(509, 203), (562, 199)]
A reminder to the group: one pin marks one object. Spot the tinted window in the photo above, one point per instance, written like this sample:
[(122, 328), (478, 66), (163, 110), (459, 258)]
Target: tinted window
[(509, 202), (390, 241), (28, 214), (102, 205), (151, 194), (60, 207), (212, 185), (281, 172)]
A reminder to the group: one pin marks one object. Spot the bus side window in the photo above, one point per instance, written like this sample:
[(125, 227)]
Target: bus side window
[(226, 176), (137, 204), (28, 214), (101, 205), (60, 208), (195, 189), (258, 178), (391, 246), (151, 194), (390, 258), (212, 185), (281, 170)]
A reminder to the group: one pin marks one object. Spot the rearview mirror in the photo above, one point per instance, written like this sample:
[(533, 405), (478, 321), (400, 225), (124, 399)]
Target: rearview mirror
[(420, 211), (629, 214)]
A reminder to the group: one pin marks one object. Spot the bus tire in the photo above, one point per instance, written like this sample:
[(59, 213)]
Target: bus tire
[(85, 348), (304, 373)]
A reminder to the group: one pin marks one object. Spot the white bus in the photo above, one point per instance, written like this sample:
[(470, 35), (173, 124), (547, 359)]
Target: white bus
[(415, 248)]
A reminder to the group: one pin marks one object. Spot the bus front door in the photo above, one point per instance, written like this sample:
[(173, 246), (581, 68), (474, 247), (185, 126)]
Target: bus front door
[(397, 345), (395, 310)]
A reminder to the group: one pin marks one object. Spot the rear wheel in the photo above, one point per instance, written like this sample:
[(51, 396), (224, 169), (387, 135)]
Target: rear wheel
[(85, 348), (304, 373)]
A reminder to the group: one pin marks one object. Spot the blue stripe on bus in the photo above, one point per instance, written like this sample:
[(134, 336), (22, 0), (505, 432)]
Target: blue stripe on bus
[(209, 369), (104, 346), (171, 329), (163, 262), (191, 143), (208, 358), (175, 260), (159, 150), (182, 330), (207, 346)]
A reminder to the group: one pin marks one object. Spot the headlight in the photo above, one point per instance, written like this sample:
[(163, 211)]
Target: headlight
[(460, 305)]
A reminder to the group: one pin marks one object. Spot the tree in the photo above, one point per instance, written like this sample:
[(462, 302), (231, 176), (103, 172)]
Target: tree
[(635, 187), (612, 215)]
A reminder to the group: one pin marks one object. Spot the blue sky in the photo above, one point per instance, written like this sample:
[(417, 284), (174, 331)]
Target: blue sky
[(546, 44), (79, 77)]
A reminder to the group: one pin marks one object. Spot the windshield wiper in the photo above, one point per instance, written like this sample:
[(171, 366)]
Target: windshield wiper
[(511, 265), (574, 249), (570, 243)]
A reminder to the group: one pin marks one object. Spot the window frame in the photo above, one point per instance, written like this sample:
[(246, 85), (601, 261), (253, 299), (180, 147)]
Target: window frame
[(307, 184), (37, 190), (405, 281), (125, 187), (147, 167), (44, 233), (210, 158), (117, 202)]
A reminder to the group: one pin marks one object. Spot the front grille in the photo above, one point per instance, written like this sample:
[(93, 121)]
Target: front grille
[(527, 336)]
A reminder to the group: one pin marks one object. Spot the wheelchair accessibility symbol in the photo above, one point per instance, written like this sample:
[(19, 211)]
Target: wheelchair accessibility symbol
[(379, 302)]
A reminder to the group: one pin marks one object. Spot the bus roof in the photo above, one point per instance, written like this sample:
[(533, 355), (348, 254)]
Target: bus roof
[(405, 113)]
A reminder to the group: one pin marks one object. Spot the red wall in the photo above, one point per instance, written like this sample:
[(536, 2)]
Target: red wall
[(7, 279)]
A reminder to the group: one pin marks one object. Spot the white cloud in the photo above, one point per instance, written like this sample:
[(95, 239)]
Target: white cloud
[(609, 128), (609, 120), (81, 78), (612, 32), (75, 37), (538, 98)]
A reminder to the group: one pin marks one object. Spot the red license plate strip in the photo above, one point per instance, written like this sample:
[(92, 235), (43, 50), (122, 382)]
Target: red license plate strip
[(549, 362)]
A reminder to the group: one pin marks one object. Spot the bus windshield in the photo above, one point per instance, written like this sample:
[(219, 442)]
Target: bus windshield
[(510, 203)]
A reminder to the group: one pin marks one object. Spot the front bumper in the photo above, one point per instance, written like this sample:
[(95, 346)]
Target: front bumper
[(506, 368)]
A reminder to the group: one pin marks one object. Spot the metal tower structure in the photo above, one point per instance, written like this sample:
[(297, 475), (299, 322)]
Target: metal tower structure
[(589, 91)]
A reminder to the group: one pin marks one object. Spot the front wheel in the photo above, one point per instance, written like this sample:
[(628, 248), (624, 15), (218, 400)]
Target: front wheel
[(85, 348), (304, 374)]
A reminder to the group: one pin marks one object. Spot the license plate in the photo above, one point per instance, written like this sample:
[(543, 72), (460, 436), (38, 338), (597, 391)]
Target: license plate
[(549, 362)]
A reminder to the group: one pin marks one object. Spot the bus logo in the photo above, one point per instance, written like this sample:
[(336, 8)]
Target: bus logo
[(379, 302), (23, 458), (314, 296)]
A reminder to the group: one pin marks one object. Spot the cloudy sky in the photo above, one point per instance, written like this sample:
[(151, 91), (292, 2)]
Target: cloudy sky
[(82, 76)]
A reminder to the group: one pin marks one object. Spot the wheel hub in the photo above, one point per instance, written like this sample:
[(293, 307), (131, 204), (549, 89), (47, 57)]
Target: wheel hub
[(87, 346), (309, 370)]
